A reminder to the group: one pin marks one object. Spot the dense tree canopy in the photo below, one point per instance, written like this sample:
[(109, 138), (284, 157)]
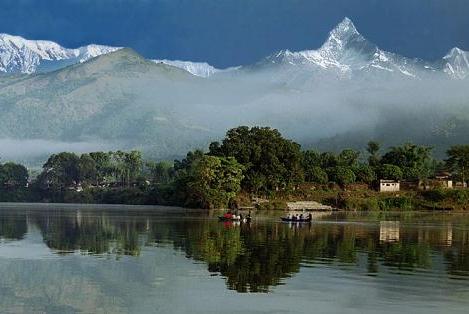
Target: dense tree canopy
[(13, 175), (415, 161), (458, 161), (271, 162), (257, 160), (390, 172), (65, 169), (213, 181)]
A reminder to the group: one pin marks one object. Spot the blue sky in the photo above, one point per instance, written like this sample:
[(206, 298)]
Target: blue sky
[(232, 32)]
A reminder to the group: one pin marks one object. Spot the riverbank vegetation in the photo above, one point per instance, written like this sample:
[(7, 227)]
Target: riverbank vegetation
[(249, 163)]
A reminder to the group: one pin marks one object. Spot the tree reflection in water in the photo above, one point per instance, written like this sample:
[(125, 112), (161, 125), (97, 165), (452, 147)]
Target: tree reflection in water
[(256, 257)]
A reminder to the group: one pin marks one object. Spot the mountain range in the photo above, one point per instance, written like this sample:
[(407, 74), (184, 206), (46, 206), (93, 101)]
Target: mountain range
[(344, 93), (345, 52)]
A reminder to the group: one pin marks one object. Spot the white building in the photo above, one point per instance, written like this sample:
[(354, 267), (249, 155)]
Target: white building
[(389, 186)]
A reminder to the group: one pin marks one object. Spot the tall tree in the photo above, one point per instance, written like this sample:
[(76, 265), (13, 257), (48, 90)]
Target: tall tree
[(373, 149), (414, 160), (458, 161), (271, 161), (13, 175), (390, 172), (160, 172), (103, 166), (348, 158), (343, 175), (61, 170), (87, 169), (213, 181)]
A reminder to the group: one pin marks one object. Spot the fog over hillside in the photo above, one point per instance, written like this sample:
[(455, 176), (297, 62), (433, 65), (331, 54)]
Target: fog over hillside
[(342, 95)]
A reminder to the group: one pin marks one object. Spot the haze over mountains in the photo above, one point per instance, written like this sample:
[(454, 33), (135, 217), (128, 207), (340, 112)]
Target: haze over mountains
[(343, 94)]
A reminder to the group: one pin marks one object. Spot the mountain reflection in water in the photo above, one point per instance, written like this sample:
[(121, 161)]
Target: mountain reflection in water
[(140, 261), (259, 256)]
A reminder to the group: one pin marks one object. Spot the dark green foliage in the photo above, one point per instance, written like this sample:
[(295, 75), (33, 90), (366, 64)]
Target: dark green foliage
[(460, 197), (348, 158), (373, 149), (458, 161), (87, 169), (343, 175), (211, 182), (415, 161), (61, 171), (390, 172), (254, 160), (160, 172), (365, 174), (13, 176), (271, 162), (317, 175), (313, 172)]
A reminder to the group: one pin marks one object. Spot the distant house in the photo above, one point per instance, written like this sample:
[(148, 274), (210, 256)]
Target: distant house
[(440, 180), (389, 186), (443, 180), (461, 185)]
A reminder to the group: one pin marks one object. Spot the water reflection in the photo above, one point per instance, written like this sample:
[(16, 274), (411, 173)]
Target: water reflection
[(256, 257)]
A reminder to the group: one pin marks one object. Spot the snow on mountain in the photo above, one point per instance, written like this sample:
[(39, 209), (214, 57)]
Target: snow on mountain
[(201, 69), (347, 52), (456, 63), (19, 55)]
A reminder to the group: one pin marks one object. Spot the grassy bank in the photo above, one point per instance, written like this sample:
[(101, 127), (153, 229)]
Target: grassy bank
[(365, 199)]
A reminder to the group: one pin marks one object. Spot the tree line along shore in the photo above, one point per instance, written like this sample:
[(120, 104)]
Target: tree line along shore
[(249, 164)]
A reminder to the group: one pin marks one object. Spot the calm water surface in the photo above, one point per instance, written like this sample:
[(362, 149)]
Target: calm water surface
[(97, 259)]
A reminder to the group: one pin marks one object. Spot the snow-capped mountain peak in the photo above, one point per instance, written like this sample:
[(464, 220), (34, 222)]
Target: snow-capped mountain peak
[(20, 55), (342, 37), (346, 52), (91, 51), (456, 63), (202, 69)]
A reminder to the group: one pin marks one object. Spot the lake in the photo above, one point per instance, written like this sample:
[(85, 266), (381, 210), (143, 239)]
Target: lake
[(124, 259)]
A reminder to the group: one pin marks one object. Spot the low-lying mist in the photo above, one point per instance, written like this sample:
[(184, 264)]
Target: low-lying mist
[(120, 101), (33, 152)]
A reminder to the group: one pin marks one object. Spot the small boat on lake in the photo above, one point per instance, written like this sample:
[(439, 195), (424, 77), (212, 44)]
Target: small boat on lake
[(306, 219), (235, 218), (222, 218)]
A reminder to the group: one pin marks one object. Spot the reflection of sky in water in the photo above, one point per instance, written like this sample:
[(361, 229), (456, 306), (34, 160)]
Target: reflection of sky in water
[(161, 279), (31, 247)]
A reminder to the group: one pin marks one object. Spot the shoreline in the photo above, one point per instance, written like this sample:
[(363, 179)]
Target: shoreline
[(75, 206)]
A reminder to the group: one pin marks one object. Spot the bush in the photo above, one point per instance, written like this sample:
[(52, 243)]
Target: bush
[(436, 195), (84, 197), (460, 196), (404, 203)]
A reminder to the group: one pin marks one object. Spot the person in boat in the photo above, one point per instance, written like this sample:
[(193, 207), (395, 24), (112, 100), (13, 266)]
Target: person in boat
[(294, 218), (301, 216), (310, 216), (228, 215)]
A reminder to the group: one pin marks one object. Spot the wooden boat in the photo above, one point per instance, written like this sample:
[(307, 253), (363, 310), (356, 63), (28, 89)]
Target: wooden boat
[(304, 220)]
